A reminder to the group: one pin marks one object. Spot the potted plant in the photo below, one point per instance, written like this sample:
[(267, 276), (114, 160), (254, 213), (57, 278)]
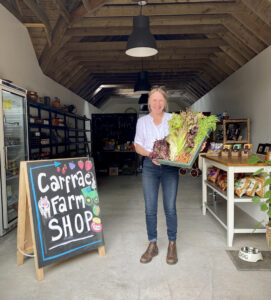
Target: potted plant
[(264, 205)]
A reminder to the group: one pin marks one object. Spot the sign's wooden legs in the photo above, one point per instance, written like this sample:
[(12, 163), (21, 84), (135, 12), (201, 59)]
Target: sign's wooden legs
[(25, 231), (101, 251)]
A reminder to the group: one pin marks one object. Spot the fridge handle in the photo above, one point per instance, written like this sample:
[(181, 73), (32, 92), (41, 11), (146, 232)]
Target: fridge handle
[(6, 157)]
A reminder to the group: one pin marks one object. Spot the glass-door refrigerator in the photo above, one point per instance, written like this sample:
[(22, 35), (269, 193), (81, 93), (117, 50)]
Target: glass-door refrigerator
[(13, 149)]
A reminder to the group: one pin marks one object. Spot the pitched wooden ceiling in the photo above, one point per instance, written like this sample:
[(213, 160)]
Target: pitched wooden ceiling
[(81, 43)]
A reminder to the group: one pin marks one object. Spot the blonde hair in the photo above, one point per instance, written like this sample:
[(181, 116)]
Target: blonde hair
[(162, 90)]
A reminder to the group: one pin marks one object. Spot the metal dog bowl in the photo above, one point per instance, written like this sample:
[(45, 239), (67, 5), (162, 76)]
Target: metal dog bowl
[(250, 254)]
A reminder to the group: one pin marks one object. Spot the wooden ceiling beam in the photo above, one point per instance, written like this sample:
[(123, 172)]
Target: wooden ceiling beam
[(80, 80), (261, 8), (154, 21), (235, 55), (11, 8), (167, 10), (102, 46), (120, 54), (220, 64), (65, 70), (228, 61), (19, 6), (208, 79), (75, 76), (63, 11), (238, 45), (82, 11), (215, 70), (254, 24), (41, 15), (68, 78), (124, 58), (117, 31), (241, 33), (59, 38), (129, 2)]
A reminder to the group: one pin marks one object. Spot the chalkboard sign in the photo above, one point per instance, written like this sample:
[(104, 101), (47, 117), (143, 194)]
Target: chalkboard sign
[(65, 208)]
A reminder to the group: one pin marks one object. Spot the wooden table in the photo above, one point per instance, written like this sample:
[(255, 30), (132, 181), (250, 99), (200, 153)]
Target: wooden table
[(225, 213)]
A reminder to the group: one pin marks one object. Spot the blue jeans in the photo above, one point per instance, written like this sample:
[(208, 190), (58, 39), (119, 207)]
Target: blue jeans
[(152, 176)]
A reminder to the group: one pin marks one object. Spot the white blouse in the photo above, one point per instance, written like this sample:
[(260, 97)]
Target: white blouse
[(147, 132)]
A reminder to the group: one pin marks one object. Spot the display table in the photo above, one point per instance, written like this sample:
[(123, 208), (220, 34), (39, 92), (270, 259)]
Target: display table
[(226, 213)]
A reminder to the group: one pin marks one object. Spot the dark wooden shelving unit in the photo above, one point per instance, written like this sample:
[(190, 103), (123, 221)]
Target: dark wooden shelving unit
[(45, 141), (119, 128)]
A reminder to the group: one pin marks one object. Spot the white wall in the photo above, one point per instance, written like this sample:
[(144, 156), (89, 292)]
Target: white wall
[(19, 64), (245, 94)]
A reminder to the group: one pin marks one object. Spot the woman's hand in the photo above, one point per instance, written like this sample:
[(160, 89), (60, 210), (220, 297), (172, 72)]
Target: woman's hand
[(203, 146), (155, 162)]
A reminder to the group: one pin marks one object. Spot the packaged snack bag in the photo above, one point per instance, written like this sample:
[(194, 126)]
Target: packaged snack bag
[(253, 183), (222, 180), (259, 189), (213, 173), (241, 186)]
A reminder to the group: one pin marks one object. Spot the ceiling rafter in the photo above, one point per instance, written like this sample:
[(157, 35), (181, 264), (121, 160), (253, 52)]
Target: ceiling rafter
[(200, 43), (41, 15)]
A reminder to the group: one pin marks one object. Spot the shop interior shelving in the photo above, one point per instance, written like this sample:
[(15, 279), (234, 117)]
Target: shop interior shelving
[(120, 129), (56, 133), (228, 210)]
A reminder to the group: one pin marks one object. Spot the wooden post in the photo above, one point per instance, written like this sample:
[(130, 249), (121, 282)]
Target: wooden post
[(101, 251)]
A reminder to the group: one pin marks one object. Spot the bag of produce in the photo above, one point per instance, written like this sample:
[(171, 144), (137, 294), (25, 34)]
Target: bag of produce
[(252, 187), (222, 180), (213, 173), (241, 186), (259, 189)]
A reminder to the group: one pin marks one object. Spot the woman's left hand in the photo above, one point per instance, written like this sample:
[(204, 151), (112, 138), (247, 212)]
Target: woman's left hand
[(203, 146), (155, 162)]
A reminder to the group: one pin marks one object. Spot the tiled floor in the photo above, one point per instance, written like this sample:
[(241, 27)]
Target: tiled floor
[(204, 270)]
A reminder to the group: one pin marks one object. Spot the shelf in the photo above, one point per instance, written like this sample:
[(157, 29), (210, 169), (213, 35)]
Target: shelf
[(215, 188), (71, 144), (246, 129), (11, 146), (12, 177), (243, 223), (223, 194)]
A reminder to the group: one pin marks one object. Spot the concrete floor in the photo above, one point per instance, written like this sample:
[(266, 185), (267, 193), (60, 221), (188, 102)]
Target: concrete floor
[(204, 270)]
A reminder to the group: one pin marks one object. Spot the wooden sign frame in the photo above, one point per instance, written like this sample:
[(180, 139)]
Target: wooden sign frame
[(26, 241)]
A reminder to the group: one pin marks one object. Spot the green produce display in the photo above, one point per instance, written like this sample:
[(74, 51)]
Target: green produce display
[(187, 132)]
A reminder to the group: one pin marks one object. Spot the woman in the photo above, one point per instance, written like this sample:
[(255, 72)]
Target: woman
[(151, 127)]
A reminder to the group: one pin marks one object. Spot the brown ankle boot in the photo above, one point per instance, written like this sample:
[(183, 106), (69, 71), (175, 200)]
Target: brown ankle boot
[(172, 253), (151, 251)]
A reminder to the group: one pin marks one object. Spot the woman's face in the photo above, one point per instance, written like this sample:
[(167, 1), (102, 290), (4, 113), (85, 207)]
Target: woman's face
[(157, 102)]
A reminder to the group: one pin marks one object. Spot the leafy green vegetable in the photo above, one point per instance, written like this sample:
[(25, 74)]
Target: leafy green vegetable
[(186, 131)]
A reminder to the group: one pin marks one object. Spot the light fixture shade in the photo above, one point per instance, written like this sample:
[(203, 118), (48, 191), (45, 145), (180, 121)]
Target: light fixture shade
[(141, 42), (143, 99), (142, 84)]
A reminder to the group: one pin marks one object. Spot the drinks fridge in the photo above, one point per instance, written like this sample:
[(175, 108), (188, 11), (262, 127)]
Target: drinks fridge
[(13, 149)]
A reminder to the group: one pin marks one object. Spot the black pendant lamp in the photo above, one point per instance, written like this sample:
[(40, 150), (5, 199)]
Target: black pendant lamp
[(141, 42), (142, 84), (143, 99)]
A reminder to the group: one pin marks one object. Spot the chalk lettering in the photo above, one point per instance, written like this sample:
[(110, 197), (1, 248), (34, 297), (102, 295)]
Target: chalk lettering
[(46, 188), (81, 229), (66, 221), (55, 227)]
